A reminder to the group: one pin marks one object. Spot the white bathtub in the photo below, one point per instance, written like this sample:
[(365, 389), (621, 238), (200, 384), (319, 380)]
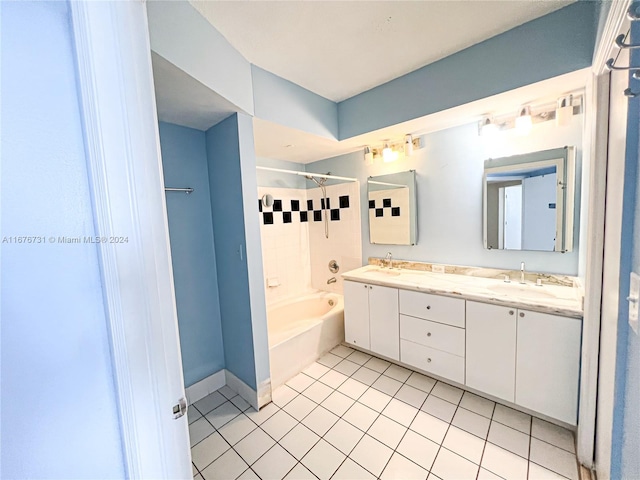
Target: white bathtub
[(301, 330)]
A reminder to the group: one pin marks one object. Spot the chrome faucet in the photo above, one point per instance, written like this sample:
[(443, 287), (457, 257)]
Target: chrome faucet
[(522, 273), (331, 280), (389, 260)]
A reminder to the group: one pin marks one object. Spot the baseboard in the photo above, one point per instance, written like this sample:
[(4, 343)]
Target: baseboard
[(249, 394), (205, 386), (264, 393)]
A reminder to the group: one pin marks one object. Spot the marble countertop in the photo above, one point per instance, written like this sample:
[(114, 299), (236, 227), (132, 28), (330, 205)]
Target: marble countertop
[(554, 299)]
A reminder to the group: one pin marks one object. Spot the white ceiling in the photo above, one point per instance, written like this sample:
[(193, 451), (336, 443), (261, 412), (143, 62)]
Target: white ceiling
[(284, 143), (338, 49)]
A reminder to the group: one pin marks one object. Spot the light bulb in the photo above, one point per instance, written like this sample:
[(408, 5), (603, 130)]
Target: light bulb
[(408, 145), (564, 111), (524, 122), (488, 128), (387, 154), (368, 156)]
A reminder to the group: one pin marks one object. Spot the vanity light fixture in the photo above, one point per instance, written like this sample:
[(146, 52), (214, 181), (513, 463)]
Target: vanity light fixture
[(368, 155), (488, 127), (388, 155), (564, 110), (408, 145), (524, 122)]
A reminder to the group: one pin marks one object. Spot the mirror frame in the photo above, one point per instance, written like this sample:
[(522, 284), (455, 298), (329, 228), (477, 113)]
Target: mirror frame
[(564, 159)]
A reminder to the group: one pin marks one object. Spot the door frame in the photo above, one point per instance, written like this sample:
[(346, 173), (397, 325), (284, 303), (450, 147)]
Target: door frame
[(115, 86)]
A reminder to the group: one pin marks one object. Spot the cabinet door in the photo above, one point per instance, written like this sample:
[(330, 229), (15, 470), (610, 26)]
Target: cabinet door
[(491, 349), (384, 321), (548, 364), (356, 314)]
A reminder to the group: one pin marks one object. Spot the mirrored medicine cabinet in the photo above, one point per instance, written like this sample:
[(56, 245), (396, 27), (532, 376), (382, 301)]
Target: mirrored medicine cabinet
[(392, 209), (529, 201)]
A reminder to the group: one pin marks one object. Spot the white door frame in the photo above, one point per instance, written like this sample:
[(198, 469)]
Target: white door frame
[(592, 399), (115, 84)]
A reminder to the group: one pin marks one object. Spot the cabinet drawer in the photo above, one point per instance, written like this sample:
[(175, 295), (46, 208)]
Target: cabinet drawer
[(433, 307), (432, 334), (443, 364)]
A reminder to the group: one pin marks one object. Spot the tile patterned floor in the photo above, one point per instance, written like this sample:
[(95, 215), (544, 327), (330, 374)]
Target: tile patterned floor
[(353, 416)]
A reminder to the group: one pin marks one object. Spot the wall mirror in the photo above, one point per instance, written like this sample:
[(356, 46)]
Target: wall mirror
[(392, 209), (529, 201)]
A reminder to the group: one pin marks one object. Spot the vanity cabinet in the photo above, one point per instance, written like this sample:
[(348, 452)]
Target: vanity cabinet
[(491, 349), (371, 318)]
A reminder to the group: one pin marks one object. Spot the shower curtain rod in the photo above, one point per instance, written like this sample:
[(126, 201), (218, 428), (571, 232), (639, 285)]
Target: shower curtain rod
[(304, 174)]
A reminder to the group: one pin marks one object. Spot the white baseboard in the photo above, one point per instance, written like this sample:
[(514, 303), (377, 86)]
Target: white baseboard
[(264, 393), (205, 386), (248, 393)]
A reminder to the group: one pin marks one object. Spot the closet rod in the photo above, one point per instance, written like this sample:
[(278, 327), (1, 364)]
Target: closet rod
[(310, 174), (172, 189)]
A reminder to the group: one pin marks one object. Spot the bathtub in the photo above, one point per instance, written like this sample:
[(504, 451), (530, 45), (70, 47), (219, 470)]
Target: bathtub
[(301, 330)]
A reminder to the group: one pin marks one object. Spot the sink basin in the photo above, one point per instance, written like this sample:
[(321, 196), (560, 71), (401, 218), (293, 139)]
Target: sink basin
[(382, 271), (518, 290)]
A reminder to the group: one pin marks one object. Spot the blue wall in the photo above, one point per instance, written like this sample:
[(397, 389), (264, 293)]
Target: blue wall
[(625, 459), (184, 161), (227, 208), (558, 43), (59, 413), (279, 180)]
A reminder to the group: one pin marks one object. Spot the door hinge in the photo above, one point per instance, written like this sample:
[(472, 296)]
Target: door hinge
[(180, 408)]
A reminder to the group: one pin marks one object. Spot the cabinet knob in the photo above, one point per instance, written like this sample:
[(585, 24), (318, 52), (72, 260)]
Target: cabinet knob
[(365, 286), (428, 360), (428, 334), (428, 307), (370, 288), (511, 312), (521, 314)]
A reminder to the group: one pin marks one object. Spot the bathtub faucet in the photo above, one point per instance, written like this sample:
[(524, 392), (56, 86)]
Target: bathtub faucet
[(331, 280)]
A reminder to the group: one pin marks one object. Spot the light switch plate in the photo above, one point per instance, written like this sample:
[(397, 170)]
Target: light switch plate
[(634, 300)]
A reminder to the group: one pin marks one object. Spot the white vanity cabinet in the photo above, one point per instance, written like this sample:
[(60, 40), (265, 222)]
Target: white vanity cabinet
[(371, 318), (548, 364)]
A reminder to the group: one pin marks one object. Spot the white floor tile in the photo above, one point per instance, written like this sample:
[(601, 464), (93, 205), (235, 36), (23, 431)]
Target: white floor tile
[(343, 436), (263, 414), (471, 422), (299, 441), (450, 466), (509, 439), (401, 468), (283, 395), (512, 418), (400, 412), (193, 414), (421, 382), (352, 388), (477, 404), (338, 403), (447, 392), (254, 445), (485, 474), (240, 403), (429, 426), (323, 460), (197, 477), (464, 444), (554, 458), (333, 379), (315, 370), (274, 464), (387, 431), (553, 434), (300, 472), (228, 466), (320, 420), (227, 392), (377, 364), (349, 470), (359, 357), (439, 408), (194, 470), (249, 474), (366, 375), (199, 430), (536, 472), (346, 367), (330, 360), (374, 399), (398, 373), (300, 382), (411, 395), (503, 463), (371, 454), (299, 407), (237, 429), (342, 351), (418, 449), (208, 450), (318, 392), (387, 385), (279, 424), (222, 415), (360, 416)]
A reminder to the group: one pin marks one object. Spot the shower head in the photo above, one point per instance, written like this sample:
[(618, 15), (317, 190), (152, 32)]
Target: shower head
[(320, 182)]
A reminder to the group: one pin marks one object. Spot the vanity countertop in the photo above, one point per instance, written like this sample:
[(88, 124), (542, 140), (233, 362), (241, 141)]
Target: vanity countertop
[(554, 299)]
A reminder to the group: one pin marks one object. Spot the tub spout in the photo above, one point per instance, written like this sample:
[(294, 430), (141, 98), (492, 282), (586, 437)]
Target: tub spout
[(331, 280)]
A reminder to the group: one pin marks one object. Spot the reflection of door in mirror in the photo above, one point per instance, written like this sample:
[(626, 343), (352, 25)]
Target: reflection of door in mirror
[(512, 217), (539, 212)]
